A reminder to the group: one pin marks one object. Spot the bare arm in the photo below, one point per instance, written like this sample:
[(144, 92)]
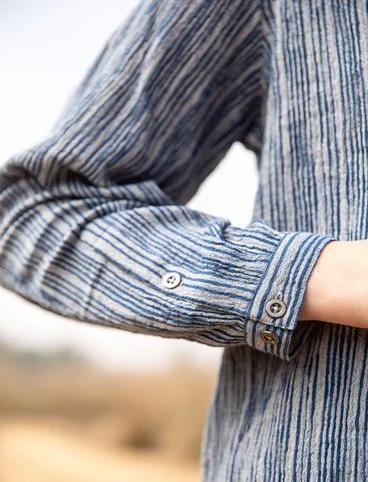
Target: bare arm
[(337, 290)]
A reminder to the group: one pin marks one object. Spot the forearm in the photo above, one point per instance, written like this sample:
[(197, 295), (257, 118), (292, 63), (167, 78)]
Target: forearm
[(100, 254), (337, 289)]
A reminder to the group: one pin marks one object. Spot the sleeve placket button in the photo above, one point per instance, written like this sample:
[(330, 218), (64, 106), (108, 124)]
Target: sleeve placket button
[(171, 280), (275, 308), (269, 337)]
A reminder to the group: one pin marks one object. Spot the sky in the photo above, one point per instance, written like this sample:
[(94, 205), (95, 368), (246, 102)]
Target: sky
[(45, 50)]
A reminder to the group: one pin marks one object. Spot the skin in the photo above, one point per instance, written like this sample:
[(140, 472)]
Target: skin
[(337, 289)]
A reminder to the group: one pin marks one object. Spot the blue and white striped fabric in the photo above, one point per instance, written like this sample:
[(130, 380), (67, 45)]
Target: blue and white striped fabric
[(94, 217)]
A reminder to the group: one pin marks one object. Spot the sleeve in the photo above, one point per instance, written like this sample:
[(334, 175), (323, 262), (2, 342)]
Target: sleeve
[(93, 222)]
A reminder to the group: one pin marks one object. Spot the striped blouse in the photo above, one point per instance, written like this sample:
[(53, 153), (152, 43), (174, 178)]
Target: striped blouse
[(94, 223)]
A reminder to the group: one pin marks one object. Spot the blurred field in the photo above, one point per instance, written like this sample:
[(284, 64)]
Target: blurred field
[(62, 420), (34, 452)]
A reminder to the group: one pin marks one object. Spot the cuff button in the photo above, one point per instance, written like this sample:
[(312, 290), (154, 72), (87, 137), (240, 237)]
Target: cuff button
[(269, 337), (275, 308), (171, 280)]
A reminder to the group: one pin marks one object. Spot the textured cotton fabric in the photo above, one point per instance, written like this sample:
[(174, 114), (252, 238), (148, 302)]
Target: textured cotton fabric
[(92, 218)]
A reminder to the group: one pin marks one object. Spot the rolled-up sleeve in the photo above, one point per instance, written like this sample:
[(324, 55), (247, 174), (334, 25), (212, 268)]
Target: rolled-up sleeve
[(93, 220)]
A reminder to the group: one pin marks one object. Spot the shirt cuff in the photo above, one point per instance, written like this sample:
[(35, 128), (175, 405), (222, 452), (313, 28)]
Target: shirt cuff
[(272, 321)]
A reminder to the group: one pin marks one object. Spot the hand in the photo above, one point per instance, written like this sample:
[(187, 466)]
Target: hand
[(337, 289)]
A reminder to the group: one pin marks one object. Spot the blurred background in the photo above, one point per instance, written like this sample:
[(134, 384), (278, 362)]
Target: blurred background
[(81, 402)]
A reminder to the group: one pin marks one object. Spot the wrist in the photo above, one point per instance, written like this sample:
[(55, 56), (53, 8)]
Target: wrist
[(324, 284)]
